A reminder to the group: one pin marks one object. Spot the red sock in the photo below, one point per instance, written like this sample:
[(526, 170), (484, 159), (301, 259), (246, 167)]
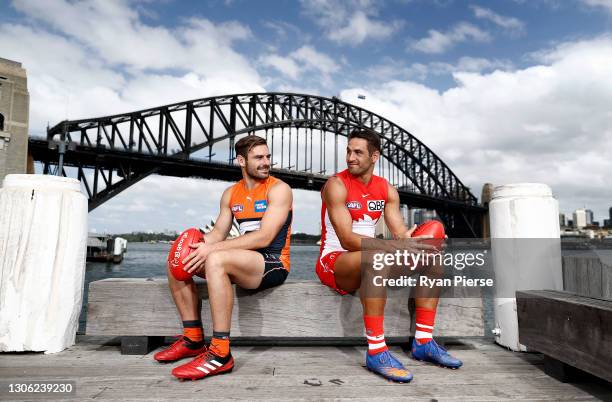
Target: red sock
[(425, 319), (375, 334)]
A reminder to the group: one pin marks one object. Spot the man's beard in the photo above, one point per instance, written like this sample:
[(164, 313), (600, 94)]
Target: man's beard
[(257, 174), (357, 170)]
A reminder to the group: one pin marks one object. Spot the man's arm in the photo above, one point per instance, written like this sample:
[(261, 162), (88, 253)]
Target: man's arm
[(223, 224), (334, 196), (395, 223), (393, 216), (280, 199)]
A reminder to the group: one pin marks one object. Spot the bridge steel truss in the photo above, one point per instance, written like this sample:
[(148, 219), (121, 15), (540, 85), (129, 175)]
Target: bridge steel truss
[(109, 154)]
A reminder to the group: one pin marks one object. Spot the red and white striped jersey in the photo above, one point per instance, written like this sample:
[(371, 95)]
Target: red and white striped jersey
[(365, 203)]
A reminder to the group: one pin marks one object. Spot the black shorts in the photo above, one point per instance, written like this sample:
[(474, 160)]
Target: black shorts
[(274, 271)]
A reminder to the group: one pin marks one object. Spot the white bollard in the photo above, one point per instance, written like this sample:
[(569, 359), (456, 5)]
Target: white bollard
[(43, 245), (522, 216)]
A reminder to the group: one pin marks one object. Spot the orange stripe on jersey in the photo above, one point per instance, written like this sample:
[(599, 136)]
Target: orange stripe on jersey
[(249, 206)]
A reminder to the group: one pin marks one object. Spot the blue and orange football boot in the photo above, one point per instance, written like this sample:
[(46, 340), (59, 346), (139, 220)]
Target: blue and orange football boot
[(434, 353), (387, 366), (205, 365), (180, 349)]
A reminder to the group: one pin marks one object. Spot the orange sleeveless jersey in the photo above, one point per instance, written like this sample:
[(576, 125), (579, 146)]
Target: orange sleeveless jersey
[(249, 206)]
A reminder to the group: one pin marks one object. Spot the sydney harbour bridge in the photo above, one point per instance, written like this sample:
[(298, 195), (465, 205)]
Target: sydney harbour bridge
[(307, 136)]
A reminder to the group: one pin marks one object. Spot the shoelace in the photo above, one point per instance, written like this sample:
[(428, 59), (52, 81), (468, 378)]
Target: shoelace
[(176, 339), (204, 355), (388, 357), (440, 350)]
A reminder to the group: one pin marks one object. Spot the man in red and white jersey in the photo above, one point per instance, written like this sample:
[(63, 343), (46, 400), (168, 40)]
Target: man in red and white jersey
[(353, 202)]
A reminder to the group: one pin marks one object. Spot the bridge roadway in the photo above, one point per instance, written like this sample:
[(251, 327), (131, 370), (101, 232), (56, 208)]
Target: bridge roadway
[(167, 165)]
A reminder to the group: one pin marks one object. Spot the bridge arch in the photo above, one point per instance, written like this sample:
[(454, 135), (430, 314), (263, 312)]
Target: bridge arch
[(178, 132)]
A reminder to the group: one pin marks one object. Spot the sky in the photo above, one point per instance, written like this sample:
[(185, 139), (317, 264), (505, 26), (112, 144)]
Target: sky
[(502, 91)]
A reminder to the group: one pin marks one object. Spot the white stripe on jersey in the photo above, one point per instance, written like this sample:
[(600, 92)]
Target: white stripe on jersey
[(365, 227), (249, 226)]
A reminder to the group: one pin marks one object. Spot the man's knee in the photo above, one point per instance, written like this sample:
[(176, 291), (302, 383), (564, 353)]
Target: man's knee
[(215, 263)]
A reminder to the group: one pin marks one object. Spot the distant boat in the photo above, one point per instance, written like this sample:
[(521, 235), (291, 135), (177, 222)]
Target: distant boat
[(105, 248)]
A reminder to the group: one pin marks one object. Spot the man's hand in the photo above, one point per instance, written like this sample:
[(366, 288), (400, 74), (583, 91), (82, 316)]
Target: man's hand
[(196, 259), (428, 245)]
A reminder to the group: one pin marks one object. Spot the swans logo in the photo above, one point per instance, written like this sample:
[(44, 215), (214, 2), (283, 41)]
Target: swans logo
[(353, 205)]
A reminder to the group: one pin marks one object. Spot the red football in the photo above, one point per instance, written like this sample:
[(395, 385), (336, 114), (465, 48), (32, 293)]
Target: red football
[(430, 228), (180, 250)]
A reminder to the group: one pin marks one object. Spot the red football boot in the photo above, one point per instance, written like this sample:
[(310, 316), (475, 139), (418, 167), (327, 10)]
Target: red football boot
[(180, 349), (204, 365)]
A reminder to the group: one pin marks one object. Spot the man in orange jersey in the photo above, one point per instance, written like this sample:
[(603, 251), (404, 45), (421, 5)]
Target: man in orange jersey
[(353, 201), (258, 259)]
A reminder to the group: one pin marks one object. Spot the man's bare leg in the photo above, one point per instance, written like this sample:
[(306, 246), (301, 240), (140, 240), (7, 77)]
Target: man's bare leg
[(185, 297), (242, 267), (222, 268), (347, 271)]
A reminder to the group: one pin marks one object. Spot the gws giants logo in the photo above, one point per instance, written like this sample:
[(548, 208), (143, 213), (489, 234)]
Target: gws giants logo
[(237, 208), (353, 205), (376, 205)]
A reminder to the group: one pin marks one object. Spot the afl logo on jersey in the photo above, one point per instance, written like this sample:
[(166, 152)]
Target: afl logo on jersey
[(353, 205), (237, 208), (376, 205)]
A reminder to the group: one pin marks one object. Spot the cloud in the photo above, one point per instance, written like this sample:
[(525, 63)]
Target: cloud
[(511, 24), (314, 60), (469, 64), (605, 4), (391, 69), (284, 65), (85, 69), (352, 23), (548, 123), (304, 59), (159, 202), (439, 42)]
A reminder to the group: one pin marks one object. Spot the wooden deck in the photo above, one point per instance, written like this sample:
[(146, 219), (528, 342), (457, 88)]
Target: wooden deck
[(490, 372)]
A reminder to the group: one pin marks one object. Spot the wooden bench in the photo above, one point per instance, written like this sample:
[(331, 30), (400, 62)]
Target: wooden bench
[(142, 312), (571, 330)]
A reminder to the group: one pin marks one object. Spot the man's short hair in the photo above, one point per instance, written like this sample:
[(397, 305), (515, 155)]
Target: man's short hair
[(370, 136), (245, 144)]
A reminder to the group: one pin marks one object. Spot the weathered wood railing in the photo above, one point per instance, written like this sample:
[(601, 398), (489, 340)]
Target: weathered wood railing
[(141, 311), (573, 328)]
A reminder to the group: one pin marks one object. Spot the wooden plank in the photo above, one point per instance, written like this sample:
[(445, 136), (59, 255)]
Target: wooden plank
[(304, 373), (569, 273), (295, 310), (582, 276), (594, 278), (587, 276), (606, 281), (574, 329)]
